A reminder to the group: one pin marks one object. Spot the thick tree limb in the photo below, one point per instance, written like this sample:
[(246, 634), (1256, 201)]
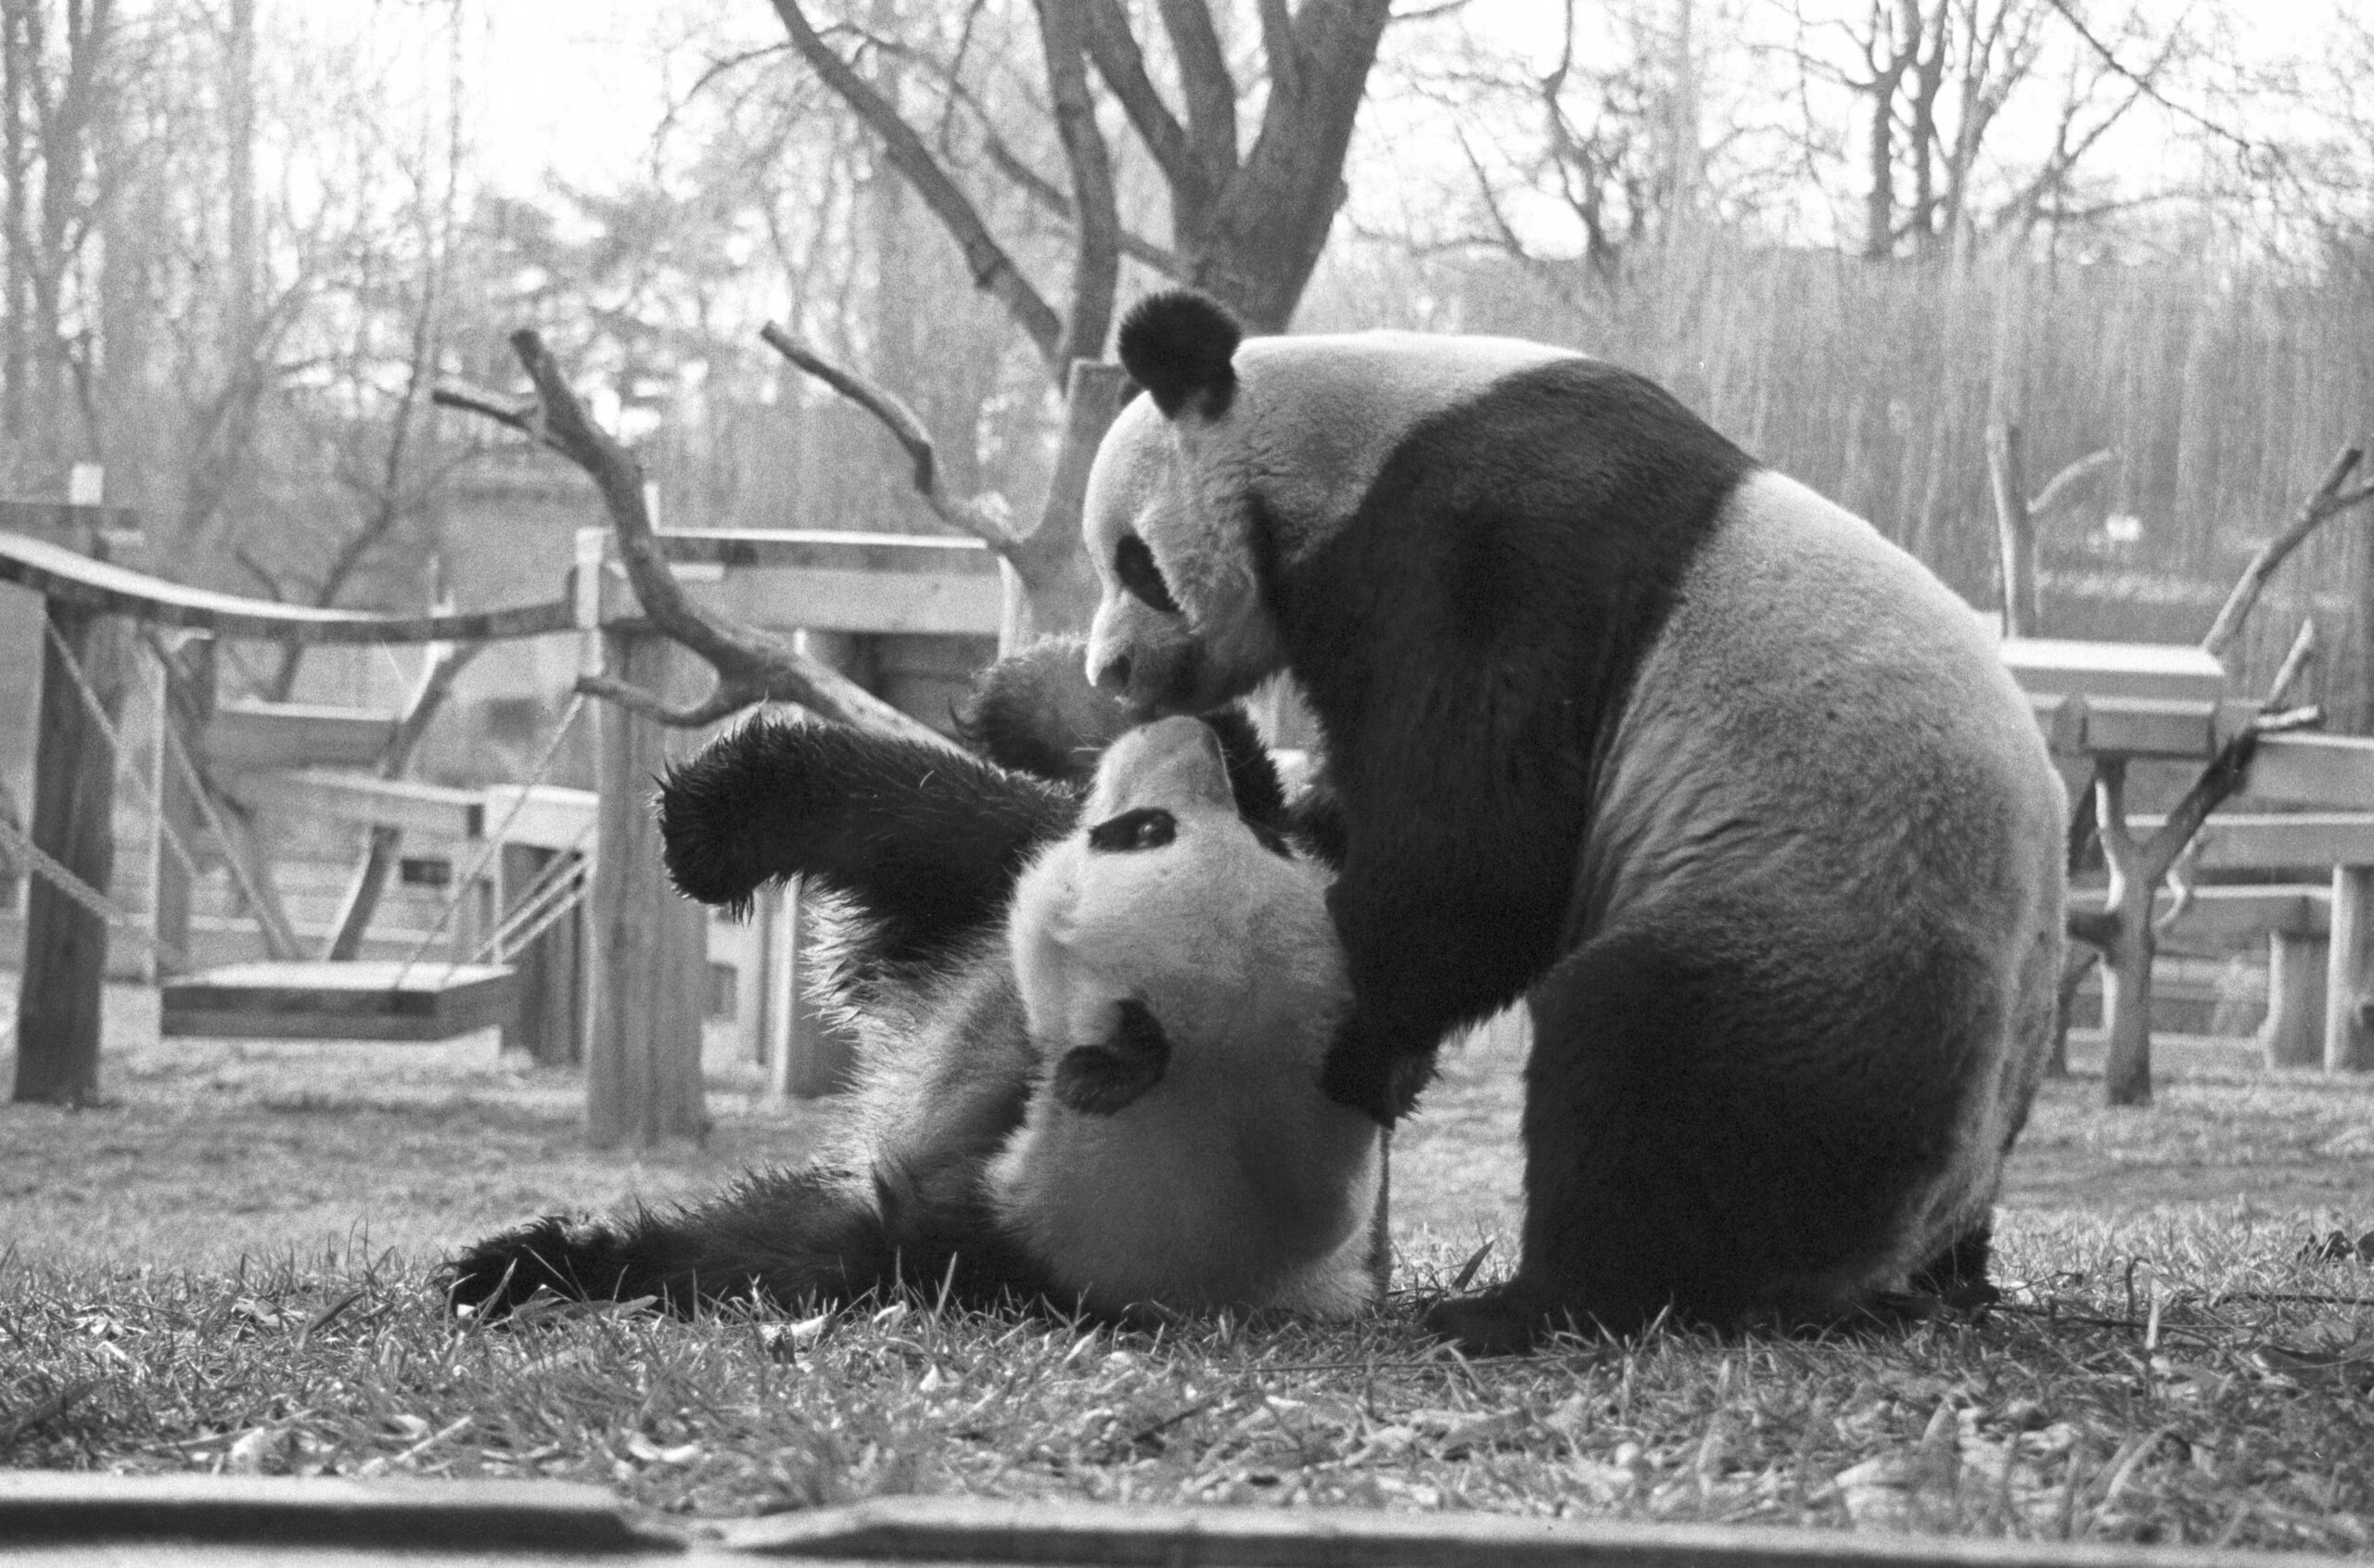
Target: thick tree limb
[(2330, 498), (752, 665), (1278, 41), (993, 269), (1118, 59), (983, 517), (1208, 85), (2295, 663), (1096, 268)]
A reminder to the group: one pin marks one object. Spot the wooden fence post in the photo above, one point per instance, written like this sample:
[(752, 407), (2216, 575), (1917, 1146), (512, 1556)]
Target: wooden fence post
[(61, 991), (649, 961), (2293, 1035), (548, 1023), (2349, 1045)]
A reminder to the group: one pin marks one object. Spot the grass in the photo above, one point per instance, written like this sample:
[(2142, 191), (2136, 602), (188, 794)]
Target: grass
[(190, 1286)]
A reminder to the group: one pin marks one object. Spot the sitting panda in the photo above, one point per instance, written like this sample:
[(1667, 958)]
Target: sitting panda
[(1092, 1031), (1615, 718)]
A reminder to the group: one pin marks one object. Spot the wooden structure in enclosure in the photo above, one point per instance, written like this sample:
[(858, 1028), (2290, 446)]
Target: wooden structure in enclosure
[(632, 977), (626, 984)]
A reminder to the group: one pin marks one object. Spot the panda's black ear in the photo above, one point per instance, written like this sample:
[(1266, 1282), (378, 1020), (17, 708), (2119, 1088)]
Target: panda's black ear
[(1179, 345)]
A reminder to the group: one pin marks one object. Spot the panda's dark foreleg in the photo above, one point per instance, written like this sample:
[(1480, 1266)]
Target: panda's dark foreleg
[(1958, 1275), (926, 841), (811, 1233)]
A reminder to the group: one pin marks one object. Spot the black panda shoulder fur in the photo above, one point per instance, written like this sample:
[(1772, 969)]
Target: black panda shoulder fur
[(1617, 720), (922, 848)]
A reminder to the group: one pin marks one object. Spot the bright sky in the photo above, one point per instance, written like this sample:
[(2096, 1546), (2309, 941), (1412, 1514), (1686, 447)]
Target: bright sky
[(577, 87)]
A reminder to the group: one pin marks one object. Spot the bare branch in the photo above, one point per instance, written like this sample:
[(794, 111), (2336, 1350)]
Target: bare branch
[(1052, 199), (752, 665), (1278, 41), (2330, 500), (1096, 266), (2062, 488), (1118, 59), (983, 517), (2145, 83), (993, 269), (2295, 663)]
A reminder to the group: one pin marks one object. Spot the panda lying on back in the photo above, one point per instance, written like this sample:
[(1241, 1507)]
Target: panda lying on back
[(1091, 1053)]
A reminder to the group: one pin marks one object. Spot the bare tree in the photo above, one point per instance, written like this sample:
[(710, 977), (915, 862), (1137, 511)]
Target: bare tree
[(1247, 223)]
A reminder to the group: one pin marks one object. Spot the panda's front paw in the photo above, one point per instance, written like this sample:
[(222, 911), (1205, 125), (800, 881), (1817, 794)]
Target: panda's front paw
[(497, 1275), (1366, 1080)]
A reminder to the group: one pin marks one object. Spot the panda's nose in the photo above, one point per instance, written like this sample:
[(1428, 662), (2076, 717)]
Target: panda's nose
[(1114, 676)]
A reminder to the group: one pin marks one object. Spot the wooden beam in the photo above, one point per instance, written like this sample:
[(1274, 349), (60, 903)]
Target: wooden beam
[(823, 600), (353, 999), (406, 805), (2250, 911), (2334, 772), (62, 575), (985, 1530), (542, 816), (250, 734), (2298, 969), (2064, 667), (2255, 841)]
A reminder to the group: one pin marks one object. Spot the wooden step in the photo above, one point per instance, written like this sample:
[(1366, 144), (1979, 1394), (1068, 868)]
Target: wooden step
[(369, 999)]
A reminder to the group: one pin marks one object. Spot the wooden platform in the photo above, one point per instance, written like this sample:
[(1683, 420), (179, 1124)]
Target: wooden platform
[(357, 1001)]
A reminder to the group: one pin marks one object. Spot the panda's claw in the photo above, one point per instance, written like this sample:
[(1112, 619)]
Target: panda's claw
[(1499, 1322)]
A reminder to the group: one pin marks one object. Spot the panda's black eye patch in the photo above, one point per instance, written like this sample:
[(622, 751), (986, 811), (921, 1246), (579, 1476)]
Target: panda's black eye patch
[(1149, 827), (1133, 564)]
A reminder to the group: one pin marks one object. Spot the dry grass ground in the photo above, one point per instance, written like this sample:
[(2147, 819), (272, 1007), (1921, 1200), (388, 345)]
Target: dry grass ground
[(224, 1267)]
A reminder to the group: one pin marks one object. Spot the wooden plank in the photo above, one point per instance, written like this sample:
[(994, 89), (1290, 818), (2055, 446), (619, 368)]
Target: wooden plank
[(62, 575), (362, 1000), (2335, 772), (983, 1531), (2164, 672), (74, 819), (548, 1021), (51, 1509), (540, 816), (406, 805), (2248, 912), (188, 706), (2253, 841), (828, 550), (824, 600), (2166, 727), (247, 736)]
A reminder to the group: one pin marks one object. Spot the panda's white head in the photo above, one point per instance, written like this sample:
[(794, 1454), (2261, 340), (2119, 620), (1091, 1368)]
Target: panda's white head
[(1167, 898), (1183, 982), (1244, 456)]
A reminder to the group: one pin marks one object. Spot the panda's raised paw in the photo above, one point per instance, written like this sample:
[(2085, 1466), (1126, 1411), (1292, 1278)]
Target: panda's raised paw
[(499, 1275)]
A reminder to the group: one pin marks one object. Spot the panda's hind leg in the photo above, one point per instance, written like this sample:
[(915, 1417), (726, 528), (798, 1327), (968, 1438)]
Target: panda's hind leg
[(1722, 1128)]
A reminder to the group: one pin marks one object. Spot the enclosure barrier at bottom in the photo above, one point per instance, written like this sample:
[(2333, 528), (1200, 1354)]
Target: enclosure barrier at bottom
[(65, 1517)]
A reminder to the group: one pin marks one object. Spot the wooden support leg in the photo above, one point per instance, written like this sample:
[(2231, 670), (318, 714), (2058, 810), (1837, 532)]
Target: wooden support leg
[(642, 1072), (546, 1025), (2293, 1035), (188, 708), (2127, 965), (2349, 1044), (59, 993)]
